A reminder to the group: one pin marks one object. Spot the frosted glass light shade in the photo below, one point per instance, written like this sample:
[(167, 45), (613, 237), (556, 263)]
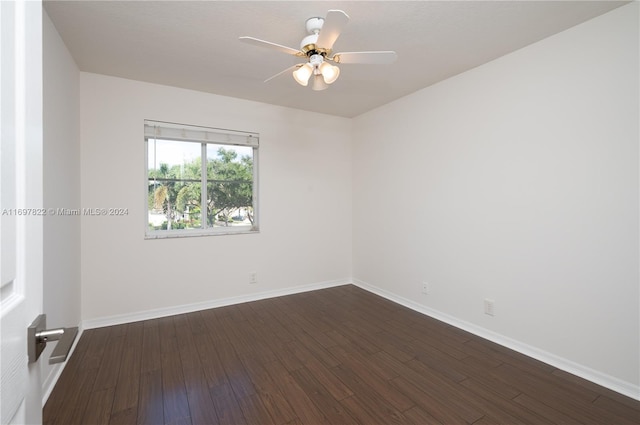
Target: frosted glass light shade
[(302, 74), (329, 72), (318, 83)]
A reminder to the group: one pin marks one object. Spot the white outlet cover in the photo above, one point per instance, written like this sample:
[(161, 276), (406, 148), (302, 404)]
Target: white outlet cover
[(489, 307)]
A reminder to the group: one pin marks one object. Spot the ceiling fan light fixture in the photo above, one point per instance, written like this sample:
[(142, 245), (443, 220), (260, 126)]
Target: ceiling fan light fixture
[(319, 83), (317, 48), (302, 74), (329, 72)]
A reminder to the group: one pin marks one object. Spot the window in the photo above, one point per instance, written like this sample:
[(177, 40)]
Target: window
[(200, 181)]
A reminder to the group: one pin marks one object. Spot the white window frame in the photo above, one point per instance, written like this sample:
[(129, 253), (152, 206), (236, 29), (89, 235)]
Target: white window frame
[(154, 130)]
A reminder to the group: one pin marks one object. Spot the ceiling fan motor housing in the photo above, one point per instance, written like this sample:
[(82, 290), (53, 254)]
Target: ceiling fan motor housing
[(308, 44), (314, 25)]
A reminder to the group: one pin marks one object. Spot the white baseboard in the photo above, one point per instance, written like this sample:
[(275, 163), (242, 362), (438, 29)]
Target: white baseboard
[(611, 382), (54, 374), (204, 305)]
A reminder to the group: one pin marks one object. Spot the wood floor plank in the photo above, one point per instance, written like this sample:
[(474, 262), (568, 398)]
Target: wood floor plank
[(321, 353), (381, 399), (563, 399), (128, 384), (601, 391), (239, 380), (98, 411), (282, 351), (365, 376), (511, 357), (438, 386), (201, 407), (271, 316), (253, 340), (167, 332), (363, 326), (150, 347), (432, 341), (541, 409), (226, 405), (110, 364), (133, 336), (210, 362), (449, 392), (71, 411), (150, 406), (269, 392), (334, 412), (214, 330), (187, 348), (335, 356), (254, 411), (360, 411), (337, 389), (124, 417), (540, 383), (417, 416), (381, 363), (402, 351), (303, 407), (434, 406), (437, 330), (310, 326), (623, 409), (95, 347), (174, 392), (398, 329), (442, 363), (502, 409), (368, 343), (180, 421)]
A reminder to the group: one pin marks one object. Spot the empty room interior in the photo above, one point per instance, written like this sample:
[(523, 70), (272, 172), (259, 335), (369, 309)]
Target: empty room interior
[(430, 214)]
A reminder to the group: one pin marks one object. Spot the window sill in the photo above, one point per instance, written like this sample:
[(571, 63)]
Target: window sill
[(218, 231)]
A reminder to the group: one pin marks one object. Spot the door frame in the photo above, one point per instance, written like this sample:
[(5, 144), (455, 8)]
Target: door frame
[(21, 229)]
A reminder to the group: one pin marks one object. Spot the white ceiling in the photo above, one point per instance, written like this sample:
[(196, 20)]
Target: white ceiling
[(194, 44)]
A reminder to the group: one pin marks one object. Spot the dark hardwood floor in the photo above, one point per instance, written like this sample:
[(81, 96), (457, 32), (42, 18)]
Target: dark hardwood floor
[(334, 356)]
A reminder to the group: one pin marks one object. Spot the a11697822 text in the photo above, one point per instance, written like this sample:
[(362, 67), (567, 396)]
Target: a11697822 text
[(65, 211)]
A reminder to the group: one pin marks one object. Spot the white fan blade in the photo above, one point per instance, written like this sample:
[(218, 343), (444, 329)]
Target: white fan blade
[(291, 68), (380, 57), (273, 46), (333, 25)]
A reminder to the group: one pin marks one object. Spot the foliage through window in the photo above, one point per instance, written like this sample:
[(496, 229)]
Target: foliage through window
[(200, 180)]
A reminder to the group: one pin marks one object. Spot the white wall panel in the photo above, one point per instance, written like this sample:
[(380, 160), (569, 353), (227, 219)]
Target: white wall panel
[(516, 181)]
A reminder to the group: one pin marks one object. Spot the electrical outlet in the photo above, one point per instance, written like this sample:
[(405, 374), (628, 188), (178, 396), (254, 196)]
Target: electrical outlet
[(253, 277), (425, 287), (489, 307)]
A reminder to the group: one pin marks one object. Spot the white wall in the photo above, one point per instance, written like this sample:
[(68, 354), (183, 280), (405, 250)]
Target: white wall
[(516, 181), (305, 203), (61, 187)]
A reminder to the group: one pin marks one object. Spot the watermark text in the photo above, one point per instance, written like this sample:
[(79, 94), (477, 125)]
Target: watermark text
[(65, 211)]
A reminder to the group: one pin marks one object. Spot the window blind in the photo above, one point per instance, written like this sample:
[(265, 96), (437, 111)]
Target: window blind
[(189, 133)]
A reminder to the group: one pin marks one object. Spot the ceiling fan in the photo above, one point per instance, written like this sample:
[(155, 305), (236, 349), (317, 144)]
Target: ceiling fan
[(317, 49)]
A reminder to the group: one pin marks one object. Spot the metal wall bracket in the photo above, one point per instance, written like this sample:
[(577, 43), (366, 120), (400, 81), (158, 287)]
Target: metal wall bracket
[(38, 335)]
